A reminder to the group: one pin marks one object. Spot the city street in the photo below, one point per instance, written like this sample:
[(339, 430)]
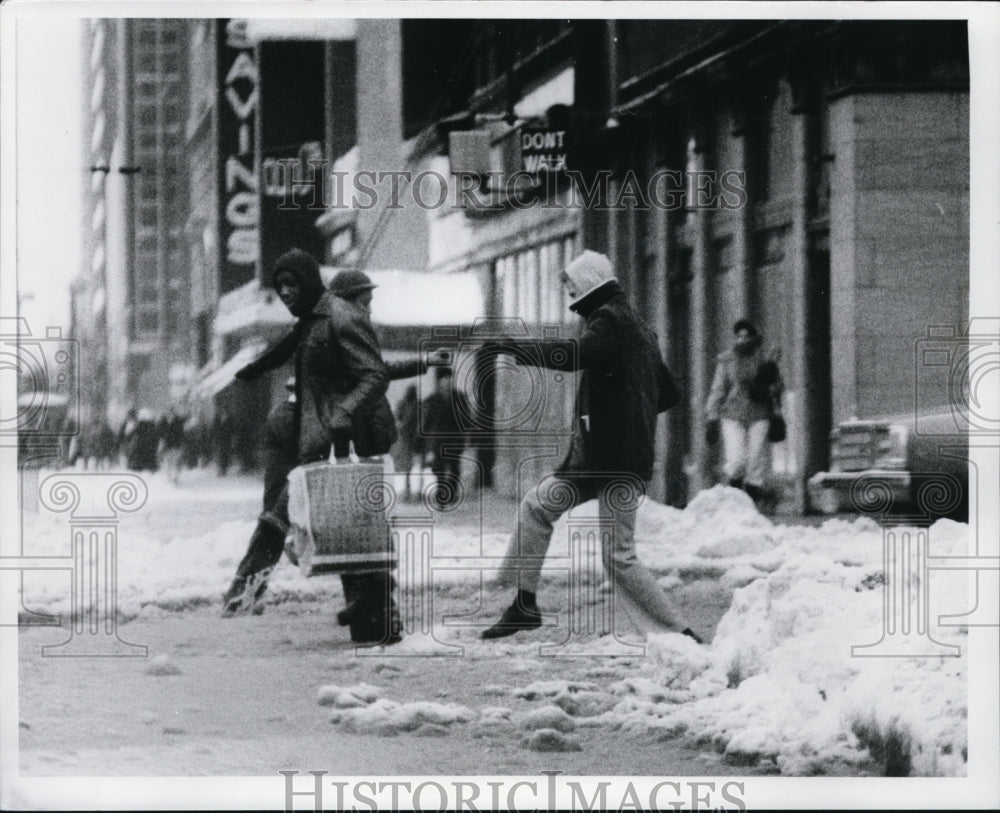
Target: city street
[(519, 271), (286, 690)]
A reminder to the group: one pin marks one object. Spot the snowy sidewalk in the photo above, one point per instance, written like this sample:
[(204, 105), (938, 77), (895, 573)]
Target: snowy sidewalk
[(776, 687)]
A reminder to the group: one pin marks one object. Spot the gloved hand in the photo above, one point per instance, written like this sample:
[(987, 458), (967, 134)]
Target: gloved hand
[(712, 431), (340, 433)]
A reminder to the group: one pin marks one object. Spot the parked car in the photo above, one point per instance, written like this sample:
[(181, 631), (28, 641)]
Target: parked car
[(913, 467)]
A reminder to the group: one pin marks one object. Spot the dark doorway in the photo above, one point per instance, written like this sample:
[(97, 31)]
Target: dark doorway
[(679, 361), (818, 395)]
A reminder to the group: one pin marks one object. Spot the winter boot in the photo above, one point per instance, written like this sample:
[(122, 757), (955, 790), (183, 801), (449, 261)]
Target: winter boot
[(516, 617), (372, 615), (248, 587), (353, 585)]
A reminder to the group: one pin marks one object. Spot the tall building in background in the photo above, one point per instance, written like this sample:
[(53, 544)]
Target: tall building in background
[(131, 307), (158, 277)]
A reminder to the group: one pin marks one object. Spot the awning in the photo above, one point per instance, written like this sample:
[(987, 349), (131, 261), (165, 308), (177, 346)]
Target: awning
[(417, 298), (213, 382)]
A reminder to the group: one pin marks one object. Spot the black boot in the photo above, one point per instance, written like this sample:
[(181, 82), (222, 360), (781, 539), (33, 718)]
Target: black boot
[(372, 614), (354, 586), (248, 587), (517, 617)]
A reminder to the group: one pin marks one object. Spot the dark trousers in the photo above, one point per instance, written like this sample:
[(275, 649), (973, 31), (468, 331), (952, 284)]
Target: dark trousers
[(447, 473)]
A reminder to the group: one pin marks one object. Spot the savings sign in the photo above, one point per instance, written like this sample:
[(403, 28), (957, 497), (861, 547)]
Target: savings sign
[(239, 200)]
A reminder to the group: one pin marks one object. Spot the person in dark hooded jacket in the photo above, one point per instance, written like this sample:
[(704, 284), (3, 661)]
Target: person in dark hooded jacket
[(624, 384), (340, 398)]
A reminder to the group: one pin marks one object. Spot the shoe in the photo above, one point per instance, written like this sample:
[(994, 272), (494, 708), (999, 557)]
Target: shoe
[(376, 630), (514, 619), (245, 594), (690, 634), (232, 599)]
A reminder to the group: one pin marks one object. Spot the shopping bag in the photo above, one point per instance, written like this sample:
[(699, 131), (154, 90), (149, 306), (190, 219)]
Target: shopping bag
[(338, 516)]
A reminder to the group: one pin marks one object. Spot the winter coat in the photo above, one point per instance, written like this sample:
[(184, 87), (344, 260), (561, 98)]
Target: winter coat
[(340, 380), (441, 420), (624, 384), (408, 421), (739, 392)]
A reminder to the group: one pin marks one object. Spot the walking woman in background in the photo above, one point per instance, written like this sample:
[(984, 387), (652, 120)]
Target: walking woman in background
[(745, 402)]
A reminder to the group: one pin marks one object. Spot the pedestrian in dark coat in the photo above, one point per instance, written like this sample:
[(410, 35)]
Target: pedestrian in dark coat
[(340, 386), (408, 452), (623, 386), (444, 413)]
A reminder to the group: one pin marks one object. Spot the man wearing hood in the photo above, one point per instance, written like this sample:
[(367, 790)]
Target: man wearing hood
[(745, 393), (623, 386), (340, 398)]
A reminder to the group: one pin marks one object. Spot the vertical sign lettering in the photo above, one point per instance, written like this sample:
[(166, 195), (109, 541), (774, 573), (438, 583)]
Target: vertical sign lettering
[(239, 202)]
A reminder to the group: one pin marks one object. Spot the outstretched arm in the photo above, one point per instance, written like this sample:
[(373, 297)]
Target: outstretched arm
[(272, 358)]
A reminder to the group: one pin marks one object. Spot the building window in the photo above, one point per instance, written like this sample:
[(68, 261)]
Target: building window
[(147, 320), (528, 283)]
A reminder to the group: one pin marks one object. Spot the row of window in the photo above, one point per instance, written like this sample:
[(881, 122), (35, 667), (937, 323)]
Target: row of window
[(529, 285)]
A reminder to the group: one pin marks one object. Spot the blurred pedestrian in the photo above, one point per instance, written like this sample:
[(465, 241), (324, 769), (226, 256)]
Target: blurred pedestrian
[(100, 445), (408, 453), (222, 437), (623, 386), (172, 444), (445, 414), (141, 438), (744, 397)]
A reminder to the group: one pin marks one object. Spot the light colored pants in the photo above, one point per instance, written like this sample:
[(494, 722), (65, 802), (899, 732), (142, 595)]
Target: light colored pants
[(635, 589), (747, 453)]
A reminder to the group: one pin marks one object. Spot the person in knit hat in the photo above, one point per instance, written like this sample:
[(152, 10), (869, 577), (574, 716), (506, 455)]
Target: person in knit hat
[(745, 393), (623, 386)]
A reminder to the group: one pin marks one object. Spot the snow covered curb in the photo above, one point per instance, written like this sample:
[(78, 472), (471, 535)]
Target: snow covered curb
[(778, 683)]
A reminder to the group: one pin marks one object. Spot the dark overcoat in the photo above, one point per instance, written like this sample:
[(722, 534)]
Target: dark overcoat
[(340, 378), (624, 385)]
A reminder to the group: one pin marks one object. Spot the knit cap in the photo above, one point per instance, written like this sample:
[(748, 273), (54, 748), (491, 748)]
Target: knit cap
[(586, 274)]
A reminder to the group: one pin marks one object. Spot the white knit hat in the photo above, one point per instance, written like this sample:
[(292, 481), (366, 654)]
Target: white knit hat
[(586, 274)]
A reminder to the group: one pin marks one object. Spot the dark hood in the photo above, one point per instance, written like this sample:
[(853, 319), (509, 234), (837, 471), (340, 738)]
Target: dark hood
[(305, 269)]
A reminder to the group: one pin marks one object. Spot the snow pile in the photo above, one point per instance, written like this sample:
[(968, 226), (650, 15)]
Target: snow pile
[(779, 682), (552, 688), (547, 717), (351, 697), (387, 718)]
